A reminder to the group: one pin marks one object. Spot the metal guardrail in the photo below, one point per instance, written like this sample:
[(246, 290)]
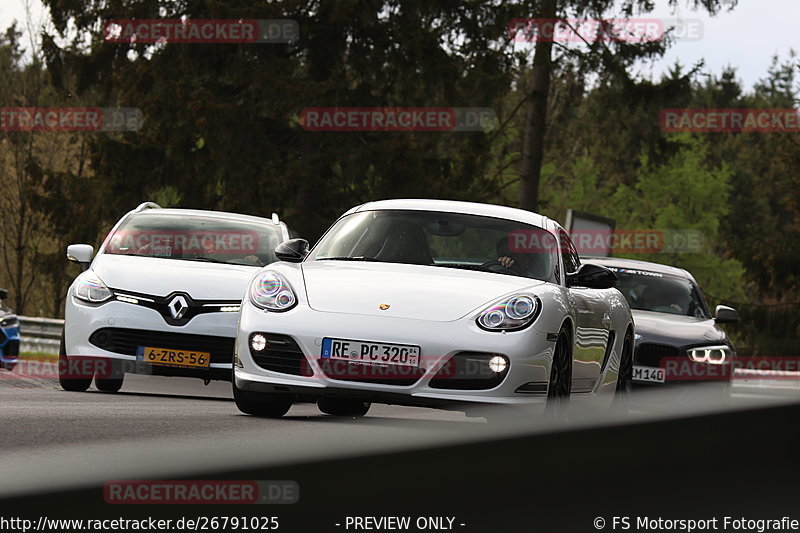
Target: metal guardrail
[(40, 335)]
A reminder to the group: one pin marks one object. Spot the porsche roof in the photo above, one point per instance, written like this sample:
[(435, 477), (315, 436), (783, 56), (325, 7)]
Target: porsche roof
[(453, 206)]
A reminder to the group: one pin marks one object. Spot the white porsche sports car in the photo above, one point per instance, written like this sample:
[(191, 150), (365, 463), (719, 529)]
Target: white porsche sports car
[(431, 303)]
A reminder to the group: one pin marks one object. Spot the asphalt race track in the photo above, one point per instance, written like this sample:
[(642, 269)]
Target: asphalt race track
[(180, 421), (60, 446)]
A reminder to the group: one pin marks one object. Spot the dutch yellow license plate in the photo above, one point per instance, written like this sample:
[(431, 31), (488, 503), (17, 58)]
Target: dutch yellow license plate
[(172, 357)]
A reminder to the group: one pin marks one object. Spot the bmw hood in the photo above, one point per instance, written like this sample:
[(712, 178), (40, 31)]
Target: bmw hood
[(410, 291), (160, 277), (677, 330)]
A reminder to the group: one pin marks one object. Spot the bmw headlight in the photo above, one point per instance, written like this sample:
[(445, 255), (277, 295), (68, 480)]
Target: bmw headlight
[(512, 313), (90, 288), (10, 321), (272, 292), (716, 355)]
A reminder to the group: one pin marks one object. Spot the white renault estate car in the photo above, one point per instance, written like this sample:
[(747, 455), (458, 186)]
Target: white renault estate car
[(162, 296)]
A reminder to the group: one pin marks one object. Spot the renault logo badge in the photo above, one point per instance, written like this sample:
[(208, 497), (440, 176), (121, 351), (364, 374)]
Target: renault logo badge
[(384, 307), (178, 307)]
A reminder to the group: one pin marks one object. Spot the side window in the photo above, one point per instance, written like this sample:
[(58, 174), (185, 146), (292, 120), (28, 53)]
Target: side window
[(568, 253)]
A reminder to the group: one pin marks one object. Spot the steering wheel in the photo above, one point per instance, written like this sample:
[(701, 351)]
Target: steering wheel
[(490, 265)]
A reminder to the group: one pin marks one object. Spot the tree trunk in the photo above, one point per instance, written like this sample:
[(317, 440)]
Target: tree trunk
[(536, 117)]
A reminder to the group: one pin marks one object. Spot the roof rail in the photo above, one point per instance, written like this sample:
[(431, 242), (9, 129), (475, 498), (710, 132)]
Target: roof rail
[(275, 219), (146, 205)]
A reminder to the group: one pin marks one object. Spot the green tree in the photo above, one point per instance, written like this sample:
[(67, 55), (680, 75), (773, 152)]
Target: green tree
[(609, 59)]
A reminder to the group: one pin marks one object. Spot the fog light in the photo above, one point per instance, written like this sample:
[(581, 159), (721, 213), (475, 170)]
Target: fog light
[(258, 342), (498, 364)]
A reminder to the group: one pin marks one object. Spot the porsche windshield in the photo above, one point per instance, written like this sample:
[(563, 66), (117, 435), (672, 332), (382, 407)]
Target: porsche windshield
[(661, 293), (440, 239), (195, 238)]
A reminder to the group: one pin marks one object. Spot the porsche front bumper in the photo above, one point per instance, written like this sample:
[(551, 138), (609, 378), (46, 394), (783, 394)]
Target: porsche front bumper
[(528, 352)]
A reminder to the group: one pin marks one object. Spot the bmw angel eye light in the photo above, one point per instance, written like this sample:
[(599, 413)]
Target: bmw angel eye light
[(715, 355), (90, 288), (510, 314), (272, 292)]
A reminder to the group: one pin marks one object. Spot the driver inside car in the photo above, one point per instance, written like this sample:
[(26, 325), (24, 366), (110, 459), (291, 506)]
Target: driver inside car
[(535, 262), (516, 262)]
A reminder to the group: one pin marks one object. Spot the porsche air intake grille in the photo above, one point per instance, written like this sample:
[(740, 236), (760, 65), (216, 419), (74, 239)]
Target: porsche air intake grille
[(282, 354), (126, 341), (649, 354), (400, 376), (468, 371)]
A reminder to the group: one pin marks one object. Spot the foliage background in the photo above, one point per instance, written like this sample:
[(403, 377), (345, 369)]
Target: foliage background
[(222, 132)]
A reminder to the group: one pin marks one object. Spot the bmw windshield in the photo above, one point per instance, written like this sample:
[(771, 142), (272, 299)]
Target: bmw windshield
[(195, 238), (440, 239), (661, 293)]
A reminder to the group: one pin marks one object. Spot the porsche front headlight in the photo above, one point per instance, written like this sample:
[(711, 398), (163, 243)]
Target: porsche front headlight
[(272, 292), (715, 355), (90, 288), (510, 314)]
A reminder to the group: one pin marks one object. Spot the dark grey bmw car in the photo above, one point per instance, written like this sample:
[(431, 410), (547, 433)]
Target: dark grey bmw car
[(677, 340)]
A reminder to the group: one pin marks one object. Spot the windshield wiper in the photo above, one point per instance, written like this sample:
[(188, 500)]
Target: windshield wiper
[(134, 254), (348, 258), (476, 268), (200, 258)]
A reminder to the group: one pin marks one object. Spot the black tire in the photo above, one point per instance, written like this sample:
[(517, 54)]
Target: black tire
[(113, 376), (262, 404), (343, 407), (560, 385), (625, 376), (109, 384), (70, 376)]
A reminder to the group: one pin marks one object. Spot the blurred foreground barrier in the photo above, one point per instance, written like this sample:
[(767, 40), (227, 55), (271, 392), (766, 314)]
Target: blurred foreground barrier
[(521, 475)]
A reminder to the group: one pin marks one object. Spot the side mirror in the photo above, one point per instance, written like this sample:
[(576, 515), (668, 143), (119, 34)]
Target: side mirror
[(293, 251), (81, 254), (3, 294), (726, 315), (592, 277)]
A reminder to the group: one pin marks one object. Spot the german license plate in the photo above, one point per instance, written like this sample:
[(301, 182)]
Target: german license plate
[(173, 357), (648, 374), (370, 352)]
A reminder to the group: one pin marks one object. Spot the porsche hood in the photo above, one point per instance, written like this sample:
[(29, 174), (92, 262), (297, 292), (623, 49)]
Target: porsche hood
[(404, 291)]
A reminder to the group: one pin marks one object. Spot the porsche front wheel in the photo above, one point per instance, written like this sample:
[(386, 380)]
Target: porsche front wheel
[(560, 386), (261, 404), (343, 407), (625, 376)]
